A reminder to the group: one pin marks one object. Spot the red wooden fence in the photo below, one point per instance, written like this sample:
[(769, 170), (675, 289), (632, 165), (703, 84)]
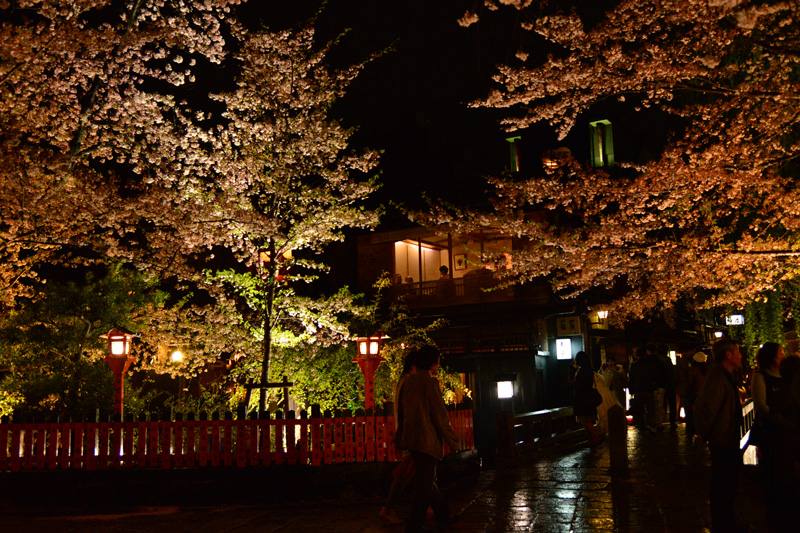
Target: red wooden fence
[(202, 443)]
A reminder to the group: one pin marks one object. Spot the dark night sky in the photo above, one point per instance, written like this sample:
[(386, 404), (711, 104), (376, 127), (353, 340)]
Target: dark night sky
[(411, 102)]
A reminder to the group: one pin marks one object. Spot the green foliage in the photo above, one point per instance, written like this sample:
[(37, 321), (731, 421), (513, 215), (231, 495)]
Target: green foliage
[(323, 375), (214, 398), (50, 347), (405, 333), (763, 322)]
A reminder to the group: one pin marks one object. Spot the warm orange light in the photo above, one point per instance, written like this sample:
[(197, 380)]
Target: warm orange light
[(265, 257), (119, 342), (370, 346)]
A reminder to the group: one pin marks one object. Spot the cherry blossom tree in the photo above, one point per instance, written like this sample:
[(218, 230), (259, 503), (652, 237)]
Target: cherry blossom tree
[(285, 184), (91, 126), (714, 218), (50, 348), (128, 130)]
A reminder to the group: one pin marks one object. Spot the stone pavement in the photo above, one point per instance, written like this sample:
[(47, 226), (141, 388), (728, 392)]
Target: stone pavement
[(567, 490)]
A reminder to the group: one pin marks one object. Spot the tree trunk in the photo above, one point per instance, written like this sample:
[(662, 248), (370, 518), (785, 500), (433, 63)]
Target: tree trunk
[(266, 343)]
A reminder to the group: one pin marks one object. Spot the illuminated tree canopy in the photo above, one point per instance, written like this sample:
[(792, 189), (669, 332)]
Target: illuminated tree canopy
[(168, 135), (714, 218)]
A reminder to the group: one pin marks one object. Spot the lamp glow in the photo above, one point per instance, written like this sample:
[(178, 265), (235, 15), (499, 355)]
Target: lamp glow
[(177, 355), (563, 349), (117, 347), (505, 389)]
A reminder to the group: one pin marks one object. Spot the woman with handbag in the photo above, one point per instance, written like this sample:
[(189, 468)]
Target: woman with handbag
[(766, 388), (404, 470), (765, 383), (586, 397)]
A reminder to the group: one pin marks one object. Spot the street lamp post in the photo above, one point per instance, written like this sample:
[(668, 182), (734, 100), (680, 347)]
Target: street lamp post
[(368, 359), (119, 359)]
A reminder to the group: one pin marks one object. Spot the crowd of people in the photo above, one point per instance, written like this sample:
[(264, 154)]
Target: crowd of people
[(710, 391)]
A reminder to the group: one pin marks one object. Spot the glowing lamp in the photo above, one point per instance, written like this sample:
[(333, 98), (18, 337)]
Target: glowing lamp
[(119, 359), (119, 343), (368, 357), (505, 389), (563, 349)]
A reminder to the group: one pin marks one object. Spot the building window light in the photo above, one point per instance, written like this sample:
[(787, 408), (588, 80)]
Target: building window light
[(554, 159), (563, 349), (514, 145), (505, 389), (602, 141)]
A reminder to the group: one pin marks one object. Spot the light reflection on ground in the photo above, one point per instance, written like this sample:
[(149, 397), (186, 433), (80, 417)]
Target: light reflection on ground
[(572, 489)]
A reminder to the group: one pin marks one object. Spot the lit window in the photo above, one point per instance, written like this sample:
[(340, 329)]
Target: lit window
[(514, 145), (563, 349), (602, 141), (505, 389)]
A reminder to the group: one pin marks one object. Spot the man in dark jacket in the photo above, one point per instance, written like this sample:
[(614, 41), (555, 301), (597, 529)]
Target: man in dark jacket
[(718, 418), (670, 400), (644, 378)]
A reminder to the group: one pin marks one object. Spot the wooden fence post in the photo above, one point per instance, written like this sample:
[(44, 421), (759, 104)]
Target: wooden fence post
[(317, 444), (226, 449), (291, 451), (279, 456), (302, 443)]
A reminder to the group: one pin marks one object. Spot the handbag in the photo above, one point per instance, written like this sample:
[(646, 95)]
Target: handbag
[(405, 468), (597, 398), (757, 433)]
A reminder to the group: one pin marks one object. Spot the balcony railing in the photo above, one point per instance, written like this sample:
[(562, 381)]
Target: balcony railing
[(459, 291)]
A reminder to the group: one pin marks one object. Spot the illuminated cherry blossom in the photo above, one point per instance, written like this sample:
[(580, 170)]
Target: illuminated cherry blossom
[(714, 219)]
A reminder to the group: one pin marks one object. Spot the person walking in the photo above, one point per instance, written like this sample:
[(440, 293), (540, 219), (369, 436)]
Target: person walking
[(645, 378), (633, 381), (765, 384), (424, 426), (718, 419), (697, 376), (682, 368), (766, 387), (781, 494), (670, 383), (586, 397), (616, 380), (403, 472)]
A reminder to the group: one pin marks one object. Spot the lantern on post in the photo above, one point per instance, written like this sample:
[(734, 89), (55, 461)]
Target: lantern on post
[(368, 359), (119, 359)]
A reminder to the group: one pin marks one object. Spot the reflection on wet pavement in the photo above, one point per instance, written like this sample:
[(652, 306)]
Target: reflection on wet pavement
[(665, 489), (570, 489)]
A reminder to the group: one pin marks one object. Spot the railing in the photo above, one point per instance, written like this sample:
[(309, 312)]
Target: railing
[(748, 418), (524, 432), (318, 440), (451, 292)]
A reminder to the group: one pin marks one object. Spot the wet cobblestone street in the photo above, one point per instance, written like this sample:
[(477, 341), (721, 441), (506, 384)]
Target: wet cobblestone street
[(570, 489), (666, 489)]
